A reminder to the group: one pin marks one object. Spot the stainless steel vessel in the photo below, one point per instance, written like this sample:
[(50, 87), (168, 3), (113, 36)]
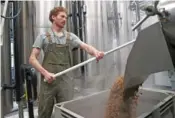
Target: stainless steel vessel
[(154, 49), (6, 95)]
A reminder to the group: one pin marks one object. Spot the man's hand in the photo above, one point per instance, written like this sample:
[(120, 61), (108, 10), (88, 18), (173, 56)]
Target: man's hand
[(99, 55), (49, 77)]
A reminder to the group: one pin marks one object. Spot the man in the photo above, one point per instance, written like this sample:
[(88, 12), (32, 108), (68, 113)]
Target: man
[(56, 44)]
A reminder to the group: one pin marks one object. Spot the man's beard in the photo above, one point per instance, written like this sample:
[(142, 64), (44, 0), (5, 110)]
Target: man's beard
[(59, 25)]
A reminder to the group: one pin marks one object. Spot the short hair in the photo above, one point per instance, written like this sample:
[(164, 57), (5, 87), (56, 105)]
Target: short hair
[(55, 11)]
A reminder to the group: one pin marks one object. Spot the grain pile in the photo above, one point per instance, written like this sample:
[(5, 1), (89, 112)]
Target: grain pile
[(121, 103)]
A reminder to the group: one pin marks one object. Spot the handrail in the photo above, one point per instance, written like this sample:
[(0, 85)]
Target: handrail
[(91, 59)]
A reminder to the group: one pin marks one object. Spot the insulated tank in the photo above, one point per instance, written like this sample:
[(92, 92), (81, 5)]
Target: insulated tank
[(7, 101), (23, 40)]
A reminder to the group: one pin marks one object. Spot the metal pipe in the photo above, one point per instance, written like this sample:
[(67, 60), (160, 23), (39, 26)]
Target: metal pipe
[(18, 46), (92, 59), (2, 21), (12, 16), (140, 22), (80, 19), (74, 17), (1, 43), (1, 114)]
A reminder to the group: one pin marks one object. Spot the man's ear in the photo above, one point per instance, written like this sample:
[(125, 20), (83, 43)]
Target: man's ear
[(53, 17)]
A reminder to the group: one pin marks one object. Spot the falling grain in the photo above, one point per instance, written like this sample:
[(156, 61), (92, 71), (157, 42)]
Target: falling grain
[(121, 103)]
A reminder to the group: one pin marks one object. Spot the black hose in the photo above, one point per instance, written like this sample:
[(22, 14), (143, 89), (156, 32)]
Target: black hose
[(19, 80)]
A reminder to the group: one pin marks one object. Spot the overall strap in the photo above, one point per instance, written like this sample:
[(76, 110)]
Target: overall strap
[(48, 48), (67, 37), (48, 37), (70, 51)]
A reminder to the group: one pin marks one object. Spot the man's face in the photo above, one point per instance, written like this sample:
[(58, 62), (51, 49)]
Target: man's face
[(60, 19)]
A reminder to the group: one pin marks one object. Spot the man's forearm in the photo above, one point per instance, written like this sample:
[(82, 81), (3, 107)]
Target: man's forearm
[(90, 50), (35, 63)]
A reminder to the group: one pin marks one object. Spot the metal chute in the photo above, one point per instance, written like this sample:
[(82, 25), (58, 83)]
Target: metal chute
[(153, 49), (149, 55)]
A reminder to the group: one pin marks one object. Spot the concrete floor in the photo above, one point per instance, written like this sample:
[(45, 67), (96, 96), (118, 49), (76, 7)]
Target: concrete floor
[(26, 115)]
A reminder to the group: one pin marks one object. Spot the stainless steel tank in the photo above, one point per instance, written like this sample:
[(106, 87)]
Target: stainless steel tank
[(7, 101), (18, 29), (23, 40), (25, 31)]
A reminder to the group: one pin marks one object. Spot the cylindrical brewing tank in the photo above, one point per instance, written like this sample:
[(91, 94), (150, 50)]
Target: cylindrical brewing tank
[(24, 31), (41, 10), (23, 40), (7, 102)]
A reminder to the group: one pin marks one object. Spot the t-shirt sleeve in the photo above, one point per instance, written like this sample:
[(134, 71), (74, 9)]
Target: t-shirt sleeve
[(39, 42), (75, 41)]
